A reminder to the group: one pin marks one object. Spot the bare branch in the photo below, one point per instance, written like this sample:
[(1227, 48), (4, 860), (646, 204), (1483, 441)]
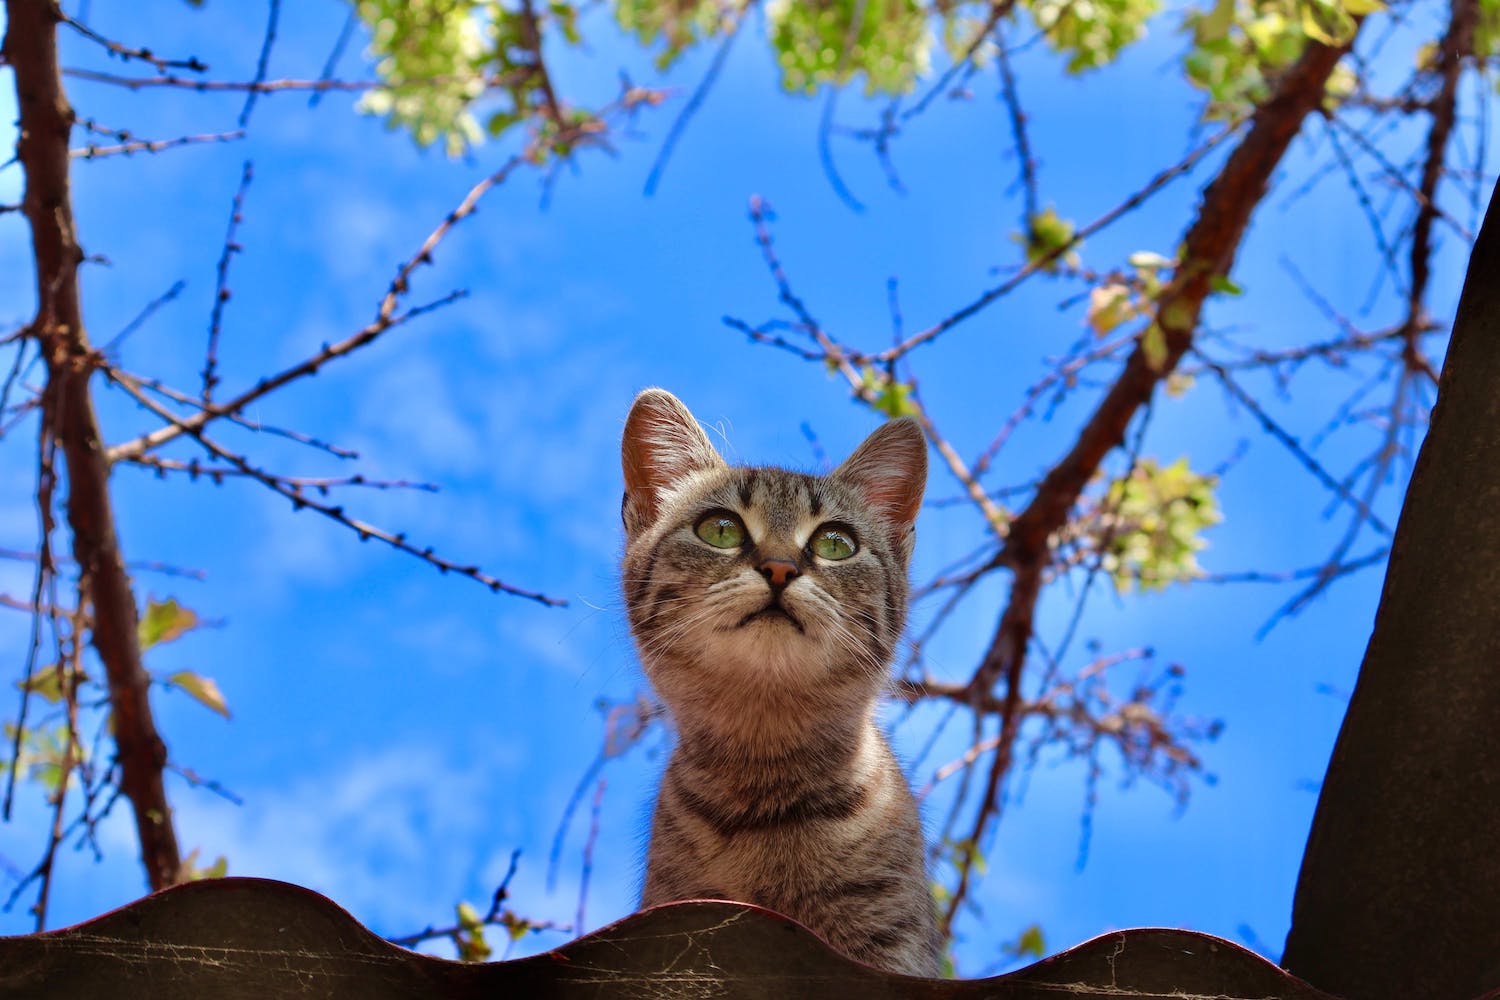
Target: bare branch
[(31, 50), (126, 53), (694, 102), (262, 61), (387, 315), (93, 151), (288, 489), (221, 285), (497, 915)]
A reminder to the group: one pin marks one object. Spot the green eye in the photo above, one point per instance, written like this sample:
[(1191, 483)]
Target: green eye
[(721, 529), (834, 543)]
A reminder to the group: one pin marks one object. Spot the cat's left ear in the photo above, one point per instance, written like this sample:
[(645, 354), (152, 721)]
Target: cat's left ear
[(890, 470), (662, 446)]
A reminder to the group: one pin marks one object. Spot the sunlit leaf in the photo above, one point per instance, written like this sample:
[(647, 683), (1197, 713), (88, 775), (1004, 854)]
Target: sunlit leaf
[(1215, 23), (202, 688), (894, 399), (676, 26), (468, 917), (1220, 283), (1154, 346), (1030, 943), (888, 41), (1109, 306), (1048, 233), (192, 873), (46, 683), (1092, 32), (1151, 523), (163, 622), (1326, 22), (1148, 259)]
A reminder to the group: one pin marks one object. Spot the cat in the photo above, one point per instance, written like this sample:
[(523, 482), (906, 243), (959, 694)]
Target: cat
[(766, 606)]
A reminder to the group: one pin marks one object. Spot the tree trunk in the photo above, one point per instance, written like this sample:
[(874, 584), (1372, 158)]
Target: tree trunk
[(46, 122), (1399, 894)]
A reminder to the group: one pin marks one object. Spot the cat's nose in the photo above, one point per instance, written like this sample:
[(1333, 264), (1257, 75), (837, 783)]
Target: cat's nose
[(778, 572)]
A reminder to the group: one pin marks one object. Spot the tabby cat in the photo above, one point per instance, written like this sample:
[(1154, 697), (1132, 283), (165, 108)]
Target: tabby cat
[(766, 605)]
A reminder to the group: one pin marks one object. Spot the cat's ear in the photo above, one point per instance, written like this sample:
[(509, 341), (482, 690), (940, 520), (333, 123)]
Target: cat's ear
[(890, 470), (662, 446)]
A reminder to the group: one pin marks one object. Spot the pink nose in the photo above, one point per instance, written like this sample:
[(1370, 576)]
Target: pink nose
[(778, 571)]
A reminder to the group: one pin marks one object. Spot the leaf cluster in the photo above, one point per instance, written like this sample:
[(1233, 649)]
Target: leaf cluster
[(1152, 531)]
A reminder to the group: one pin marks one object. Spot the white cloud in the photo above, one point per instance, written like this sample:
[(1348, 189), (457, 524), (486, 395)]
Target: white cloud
[(379, 835), (408, 418), (298, 546)]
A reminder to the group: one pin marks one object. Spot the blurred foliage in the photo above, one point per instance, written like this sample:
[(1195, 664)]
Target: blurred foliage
[(889, 396), (431, 54), (1149, 527), (1091, 33), (1046, 235), (44, 748), (438, 58), (1030, 943), (469, 937), (191, 872), (164, 621), (888, 41), (676, 26), (43, 756), (444, 60), (1240, 45)]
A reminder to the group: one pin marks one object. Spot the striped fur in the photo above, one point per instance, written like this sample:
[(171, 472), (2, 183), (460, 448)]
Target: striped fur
[(780, 791)]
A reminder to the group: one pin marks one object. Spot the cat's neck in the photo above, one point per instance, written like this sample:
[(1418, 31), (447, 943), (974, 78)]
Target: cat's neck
[(759, 724)]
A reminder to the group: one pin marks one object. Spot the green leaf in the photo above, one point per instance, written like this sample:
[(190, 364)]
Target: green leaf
[(46, 683), (1094, 32), (1047, 234), (163, 622), (1109, 306), (1178, 315), (515, 926), (678, 26), (192, 873), (1215, 23), (889, 397), (1178, 384), (1031, 943), (1150, 524), (1154, 347), (889, 41), (1221, 284), (1326, 22), (468, 917), (201, 688), (45, 754), (895, 401)]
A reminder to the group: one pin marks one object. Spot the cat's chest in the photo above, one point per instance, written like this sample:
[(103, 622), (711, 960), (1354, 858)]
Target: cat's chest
[(763, 865)]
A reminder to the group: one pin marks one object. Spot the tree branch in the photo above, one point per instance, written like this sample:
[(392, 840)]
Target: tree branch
[(1209, 249), (46, 120)]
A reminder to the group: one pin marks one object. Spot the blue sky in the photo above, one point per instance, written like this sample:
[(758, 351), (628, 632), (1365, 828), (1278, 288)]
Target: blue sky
[(397, 733)]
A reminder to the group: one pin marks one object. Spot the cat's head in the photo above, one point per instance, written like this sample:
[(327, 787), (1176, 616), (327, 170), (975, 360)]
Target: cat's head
[(745, 581)]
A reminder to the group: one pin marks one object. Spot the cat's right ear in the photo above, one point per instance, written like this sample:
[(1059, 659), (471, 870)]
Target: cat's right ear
[(662, 446)]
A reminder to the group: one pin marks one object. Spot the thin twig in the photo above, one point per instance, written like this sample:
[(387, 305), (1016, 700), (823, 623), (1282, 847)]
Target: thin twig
[(93, 151), (221, 282), (192, 64), (694, 103), (300, 500), (262, 62)]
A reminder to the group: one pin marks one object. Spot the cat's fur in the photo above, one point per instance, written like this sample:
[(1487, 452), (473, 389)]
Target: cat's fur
[(780, 791)]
